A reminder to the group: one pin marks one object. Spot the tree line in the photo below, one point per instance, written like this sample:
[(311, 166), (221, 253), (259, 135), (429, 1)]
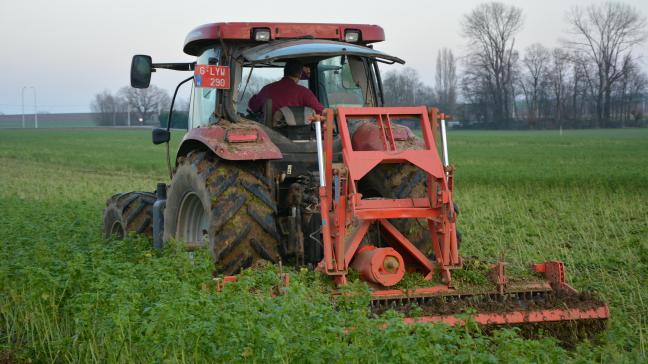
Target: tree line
[(593, 79), (143, 106)]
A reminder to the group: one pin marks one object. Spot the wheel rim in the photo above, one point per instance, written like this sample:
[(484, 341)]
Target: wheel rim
[(117, 230), (192, 223)]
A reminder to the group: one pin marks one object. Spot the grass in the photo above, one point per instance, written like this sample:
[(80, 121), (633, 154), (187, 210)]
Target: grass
[(68, 296)]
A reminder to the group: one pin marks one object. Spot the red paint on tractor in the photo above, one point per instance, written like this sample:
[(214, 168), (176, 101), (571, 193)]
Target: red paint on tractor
[(242, 135), (230, 141), (243, 31)]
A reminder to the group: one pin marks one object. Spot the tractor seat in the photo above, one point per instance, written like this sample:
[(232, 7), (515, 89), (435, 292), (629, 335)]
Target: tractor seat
[(292, 116), (291, 121)]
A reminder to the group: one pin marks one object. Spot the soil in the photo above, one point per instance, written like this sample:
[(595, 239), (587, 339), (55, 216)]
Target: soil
[(483, 302), (568, 332), (7, 357)]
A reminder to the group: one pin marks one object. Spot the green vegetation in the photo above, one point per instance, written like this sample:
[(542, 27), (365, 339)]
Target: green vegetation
[(68, 296)]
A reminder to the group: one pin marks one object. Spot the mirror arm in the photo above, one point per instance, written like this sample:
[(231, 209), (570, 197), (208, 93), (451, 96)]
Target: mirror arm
[(175, 93), (175, 66), (168, 151)]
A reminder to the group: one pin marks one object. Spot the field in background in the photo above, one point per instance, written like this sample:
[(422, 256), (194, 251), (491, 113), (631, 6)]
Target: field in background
[(66, 295), (46, 124), (48, 120)]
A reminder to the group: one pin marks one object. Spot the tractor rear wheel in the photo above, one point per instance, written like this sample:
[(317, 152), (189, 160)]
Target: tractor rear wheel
[(225, 206), (128, 213), (403, 181)]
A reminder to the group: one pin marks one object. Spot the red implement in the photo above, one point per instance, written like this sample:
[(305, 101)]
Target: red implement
[(348, 217)]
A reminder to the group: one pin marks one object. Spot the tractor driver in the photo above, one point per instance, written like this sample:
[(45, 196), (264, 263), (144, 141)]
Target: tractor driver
[(286, 92)]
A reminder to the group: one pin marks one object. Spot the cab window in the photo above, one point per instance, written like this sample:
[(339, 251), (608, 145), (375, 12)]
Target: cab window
[(342, 82), (251, 84), (203, 102)]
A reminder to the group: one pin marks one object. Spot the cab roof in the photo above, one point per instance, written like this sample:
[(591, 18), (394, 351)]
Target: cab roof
[(207, 33), (317, 48)]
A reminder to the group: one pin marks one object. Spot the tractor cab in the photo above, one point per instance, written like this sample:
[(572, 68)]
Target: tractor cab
[(341, 69), (338, 73)]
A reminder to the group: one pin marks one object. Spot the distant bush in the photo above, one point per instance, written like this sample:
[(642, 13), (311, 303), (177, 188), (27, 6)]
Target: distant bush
[(180, 119)]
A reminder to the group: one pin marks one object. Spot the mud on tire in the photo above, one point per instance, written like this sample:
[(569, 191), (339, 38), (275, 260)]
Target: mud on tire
[(225, 206), (129, 212), (402, 181)]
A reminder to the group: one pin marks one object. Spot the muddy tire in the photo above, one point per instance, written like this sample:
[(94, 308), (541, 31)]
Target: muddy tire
[(224, 206), (127, 213), (401, 181)]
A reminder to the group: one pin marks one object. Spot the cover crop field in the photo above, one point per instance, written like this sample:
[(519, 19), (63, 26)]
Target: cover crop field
[(66, 295)]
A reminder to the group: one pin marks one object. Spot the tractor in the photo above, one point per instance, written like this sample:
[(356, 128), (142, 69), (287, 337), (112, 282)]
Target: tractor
[(359, 187)]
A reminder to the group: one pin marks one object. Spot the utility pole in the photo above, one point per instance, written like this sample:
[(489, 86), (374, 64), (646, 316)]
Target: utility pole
[(22, 102), (129, 119), (22, 98), (35, 109)]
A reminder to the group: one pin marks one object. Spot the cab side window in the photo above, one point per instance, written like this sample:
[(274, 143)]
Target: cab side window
[(203, 99)]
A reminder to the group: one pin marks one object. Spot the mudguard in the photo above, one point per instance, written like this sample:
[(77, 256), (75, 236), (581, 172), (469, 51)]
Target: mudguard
[(232, 141)]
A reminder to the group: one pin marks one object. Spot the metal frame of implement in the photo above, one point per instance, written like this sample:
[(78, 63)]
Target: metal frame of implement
[(346, 218)]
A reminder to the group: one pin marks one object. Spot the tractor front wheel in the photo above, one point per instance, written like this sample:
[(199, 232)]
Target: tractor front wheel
[(224, 206), (128, 213)]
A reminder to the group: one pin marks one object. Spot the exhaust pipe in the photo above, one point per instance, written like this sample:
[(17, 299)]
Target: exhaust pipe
[(158, 215)]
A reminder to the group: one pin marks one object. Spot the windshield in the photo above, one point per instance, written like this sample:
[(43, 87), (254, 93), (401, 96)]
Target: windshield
[(335, 81), (251, 84), (340, 82)]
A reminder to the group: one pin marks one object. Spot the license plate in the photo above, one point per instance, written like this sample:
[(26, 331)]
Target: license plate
[(209, 76)]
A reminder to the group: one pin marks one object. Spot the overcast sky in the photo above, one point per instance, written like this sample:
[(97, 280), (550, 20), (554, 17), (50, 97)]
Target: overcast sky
[(70, 50)]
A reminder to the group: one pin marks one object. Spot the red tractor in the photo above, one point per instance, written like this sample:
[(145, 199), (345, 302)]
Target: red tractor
[(361, 186)]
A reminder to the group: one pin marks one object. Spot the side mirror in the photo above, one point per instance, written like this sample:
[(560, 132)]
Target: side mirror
[(141, 68), (161, 136)]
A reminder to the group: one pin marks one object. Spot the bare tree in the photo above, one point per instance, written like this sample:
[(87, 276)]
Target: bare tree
[(638, 97), (108, 108), (446, 80), (533, 82), (147, 102), (490, 30), (627, 95), (606, 34), (585, 92), (405, 88), (558, 73)]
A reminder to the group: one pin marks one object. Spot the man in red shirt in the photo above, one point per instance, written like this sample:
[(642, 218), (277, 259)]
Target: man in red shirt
[(286, 92)]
